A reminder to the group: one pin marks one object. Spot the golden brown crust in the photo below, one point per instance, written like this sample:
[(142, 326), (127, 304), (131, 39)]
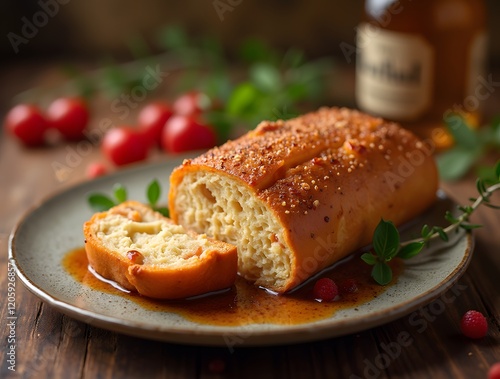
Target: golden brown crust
[(216, 271), (328, 177)]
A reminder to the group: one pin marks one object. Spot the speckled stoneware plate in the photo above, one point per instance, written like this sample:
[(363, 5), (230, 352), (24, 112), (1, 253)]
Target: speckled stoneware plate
[(43, 237)]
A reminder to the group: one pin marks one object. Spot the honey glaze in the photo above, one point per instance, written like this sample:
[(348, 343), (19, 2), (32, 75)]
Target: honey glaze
[(245, 303)]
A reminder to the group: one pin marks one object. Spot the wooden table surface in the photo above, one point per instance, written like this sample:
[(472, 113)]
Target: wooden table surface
[(49, 344)]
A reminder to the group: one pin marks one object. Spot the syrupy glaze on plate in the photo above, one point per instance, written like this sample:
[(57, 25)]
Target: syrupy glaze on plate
[(245, 303)]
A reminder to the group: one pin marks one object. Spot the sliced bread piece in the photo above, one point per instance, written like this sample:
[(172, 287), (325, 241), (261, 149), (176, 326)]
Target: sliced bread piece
[(146, 252)]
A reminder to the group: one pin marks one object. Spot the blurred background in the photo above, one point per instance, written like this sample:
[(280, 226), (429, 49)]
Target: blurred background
[(92, 27), (255, 60), (92, 30)]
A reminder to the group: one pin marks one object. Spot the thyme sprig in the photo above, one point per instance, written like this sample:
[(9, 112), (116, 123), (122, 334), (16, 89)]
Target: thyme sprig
[(386, 238)]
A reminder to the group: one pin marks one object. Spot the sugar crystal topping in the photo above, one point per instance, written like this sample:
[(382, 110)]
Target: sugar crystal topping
[(292, 163)]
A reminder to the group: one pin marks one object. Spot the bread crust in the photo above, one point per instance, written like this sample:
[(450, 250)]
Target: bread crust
[(217, 270), (328, 177)]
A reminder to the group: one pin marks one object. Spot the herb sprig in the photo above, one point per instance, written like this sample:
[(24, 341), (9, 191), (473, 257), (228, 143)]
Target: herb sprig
[(100, 202), (386, 238), (470, 147)]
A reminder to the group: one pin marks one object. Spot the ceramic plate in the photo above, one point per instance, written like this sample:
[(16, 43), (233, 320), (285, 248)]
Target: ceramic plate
[(49, 231)]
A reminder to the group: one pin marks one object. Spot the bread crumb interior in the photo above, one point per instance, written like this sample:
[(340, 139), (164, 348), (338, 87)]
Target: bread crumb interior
[(161, 243), (225, 209)]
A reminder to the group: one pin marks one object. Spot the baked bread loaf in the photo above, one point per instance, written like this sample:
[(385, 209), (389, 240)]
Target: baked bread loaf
[(296, 196), (146, 252)]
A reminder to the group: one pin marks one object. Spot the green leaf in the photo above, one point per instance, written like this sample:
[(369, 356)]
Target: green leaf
[(99, 202), (382, 273), (487, 174), (255, 50), (217, 85), (369, 258), (153, 192), (173, 37), (120, 193), (497, 170), (243, 99), (466, 209), (265, 77), (462, 133), (442, 234), (450, 218), (426, 231), (470, 226), (456, 162), (220, 121), (163, 210), (296, 91), (411, 250), (293, 58), (481, 186), (114, 80), (386, 240), (492, 206)]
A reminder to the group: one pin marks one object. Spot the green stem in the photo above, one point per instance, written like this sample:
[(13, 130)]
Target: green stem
[(463, 217)]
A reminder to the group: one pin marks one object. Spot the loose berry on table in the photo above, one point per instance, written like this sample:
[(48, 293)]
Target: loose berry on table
[(474, 324), (494, 371)]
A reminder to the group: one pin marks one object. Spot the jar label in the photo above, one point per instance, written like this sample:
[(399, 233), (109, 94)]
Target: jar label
[(393, 73)]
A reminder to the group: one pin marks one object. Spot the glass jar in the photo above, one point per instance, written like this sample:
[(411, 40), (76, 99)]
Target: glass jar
[(420, 62)]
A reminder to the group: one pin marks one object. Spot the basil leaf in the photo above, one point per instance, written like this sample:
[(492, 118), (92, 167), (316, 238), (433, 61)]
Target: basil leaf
[(386, 240), (382, 273), (120, 193), (410, 250), (153, 192), (99, 202), (369, 258)]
